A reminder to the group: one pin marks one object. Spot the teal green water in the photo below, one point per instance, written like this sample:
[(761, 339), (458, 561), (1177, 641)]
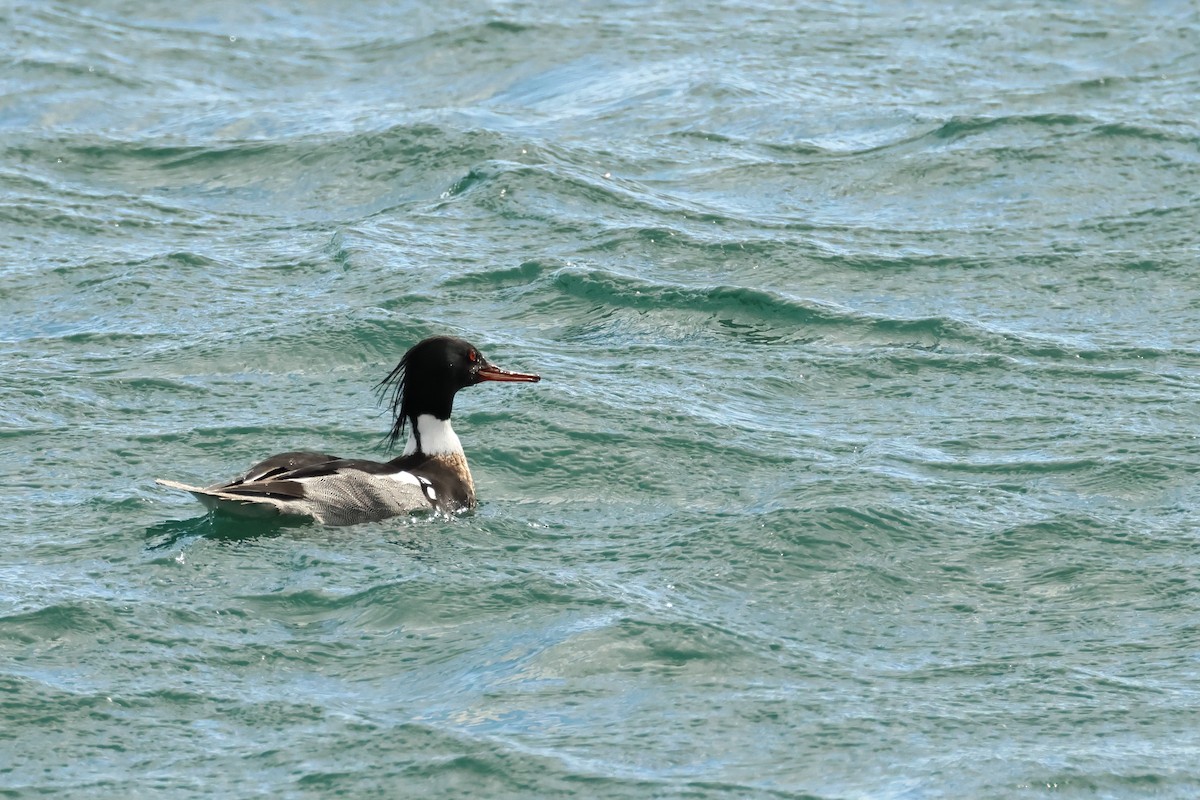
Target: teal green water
[(864, 462)]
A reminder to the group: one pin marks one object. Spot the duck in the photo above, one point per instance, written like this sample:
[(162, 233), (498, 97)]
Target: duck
[(431, 473)]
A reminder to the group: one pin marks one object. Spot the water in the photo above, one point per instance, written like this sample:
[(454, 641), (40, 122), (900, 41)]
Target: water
[(863, 465)]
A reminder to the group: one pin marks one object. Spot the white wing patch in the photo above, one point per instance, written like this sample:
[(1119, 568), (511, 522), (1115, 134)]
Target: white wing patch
[(406, 477), (430, 492), (425, 484)]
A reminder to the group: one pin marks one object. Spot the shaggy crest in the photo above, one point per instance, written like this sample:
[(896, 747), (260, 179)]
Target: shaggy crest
[(392, 390)]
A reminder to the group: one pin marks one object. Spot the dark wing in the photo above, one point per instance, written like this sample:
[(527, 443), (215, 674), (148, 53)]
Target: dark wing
[(279, 475), (339, 465), (278, 465), (334, 491)]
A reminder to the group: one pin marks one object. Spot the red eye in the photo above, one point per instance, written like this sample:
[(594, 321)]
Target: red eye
[(473, 356)]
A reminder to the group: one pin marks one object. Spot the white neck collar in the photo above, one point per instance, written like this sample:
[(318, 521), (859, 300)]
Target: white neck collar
[(436, 435)]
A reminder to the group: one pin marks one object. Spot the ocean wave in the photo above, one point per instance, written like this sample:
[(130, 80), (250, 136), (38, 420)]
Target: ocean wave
[(765, 316), (60, 621)]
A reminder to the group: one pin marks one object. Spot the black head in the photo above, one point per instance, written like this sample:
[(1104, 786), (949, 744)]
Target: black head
[(431, 373)]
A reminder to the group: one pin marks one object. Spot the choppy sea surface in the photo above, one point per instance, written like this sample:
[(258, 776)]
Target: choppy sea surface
[(864, 463)]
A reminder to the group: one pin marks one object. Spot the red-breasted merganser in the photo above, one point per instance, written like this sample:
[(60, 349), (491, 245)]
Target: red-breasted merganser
[(431, 473)]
